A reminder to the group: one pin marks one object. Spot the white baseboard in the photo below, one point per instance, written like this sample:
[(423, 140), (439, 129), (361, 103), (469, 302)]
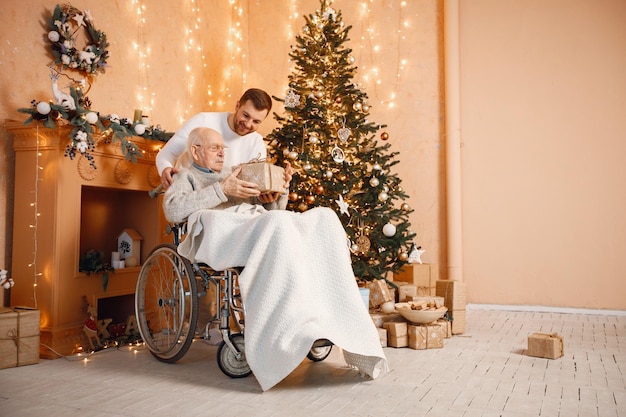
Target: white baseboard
[(545, 309)]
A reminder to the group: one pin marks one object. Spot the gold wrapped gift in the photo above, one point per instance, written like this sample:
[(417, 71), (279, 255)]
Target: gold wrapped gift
[(270, 178)]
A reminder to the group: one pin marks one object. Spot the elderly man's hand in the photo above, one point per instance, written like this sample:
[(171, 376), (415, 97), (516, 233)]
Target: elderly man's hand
[(234, 187)]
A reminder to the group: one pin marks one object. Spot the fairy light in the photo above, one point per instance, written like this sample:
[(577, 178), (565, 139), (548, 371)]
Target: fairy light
[(234, 46), (370, 75), (35, 226), (145, 97)]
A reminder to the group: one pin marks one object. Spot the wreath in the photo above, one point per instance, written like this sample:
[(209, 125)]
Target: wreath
[(64, 24)]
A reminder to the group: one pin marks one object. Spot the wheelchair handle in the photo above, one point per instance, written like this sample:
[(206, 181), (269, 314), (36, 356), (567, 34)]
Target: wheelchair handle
[(153, 193)]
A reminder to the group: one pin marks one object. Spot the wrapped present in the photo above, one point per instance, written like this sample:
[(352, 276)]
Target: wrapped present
[(380, 319), (544, 345), (397, 335), (379, 292), (426, 336), (269, 177), (417, 337), (453, 293), (457, 318), (19, 336), (382, 335), (447, 326), (423, 276), (406, 290)]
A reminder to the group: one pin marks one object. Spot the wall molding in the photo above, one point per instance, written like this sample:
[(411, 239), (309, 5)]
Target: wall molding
[(546, 309)]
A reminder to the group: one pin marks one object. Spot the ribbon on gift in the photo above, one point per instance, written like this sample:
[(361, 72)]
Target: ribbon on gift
[(11, 335)]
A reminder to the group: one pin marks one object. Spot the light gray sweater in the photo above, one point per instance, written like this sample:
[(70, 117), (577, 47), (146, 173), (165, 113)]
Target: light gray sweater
[(194, 190)]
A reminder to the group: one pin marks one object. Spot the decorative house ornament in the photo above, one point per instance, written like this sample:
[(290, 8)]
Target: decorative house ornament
[(129, 244)]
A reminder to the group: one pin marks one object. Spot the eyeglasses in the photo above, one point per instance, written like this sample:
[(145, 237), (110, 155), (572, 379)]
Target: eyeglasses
[(213, 147)]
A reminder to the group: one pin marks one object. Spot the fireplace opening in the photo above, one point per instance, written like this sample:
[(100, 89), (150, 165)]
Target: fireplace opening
[(116, 308)]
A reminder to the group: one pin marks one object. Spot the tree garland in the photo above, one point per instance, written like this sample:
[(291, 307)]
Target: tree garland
[(65, 22)]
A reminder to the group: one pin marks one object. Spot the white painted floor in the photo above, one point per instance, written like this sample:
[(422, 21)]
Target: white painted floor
[(481, 373)]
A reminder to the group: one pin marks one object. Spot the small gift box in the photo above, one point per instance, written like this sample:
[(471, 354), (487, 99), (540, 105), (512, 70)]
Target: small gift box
[(270, 178), (426, 336), (544, 345), (19, 336)]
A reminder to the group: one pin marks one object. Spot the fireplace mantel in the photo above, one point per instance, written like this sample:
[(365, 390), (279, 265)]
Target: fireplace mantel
[(80, 208)]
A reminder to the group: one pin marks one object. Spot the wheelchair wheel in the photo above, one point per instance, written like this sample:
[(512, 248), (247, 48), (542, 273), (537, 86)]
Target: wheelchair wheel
[(166, 303), (227, 360), (320, 350)]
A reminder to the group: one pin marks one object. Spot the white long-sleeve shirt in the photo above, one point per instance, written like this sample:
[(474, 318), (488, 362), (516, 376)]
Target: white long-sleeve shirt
[(240, 148)]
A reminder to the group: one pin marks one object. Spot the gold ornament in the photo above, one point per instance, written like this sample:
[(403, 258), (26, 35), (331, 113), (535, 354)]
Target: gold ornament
[(403, 256), (310, 199), (384, 136), (293, 196), (383, 196), (405, 207), (293, 155), (338, 99), (319, 190), (363, 243), (303, 206)]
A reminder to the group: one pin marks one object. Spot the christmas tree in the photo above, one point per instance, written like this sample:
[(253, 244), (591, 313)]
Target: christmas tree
[(326, 136)]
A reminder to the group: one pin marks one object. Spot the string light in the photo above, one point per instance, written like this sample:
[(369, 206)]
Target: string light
[(372, 77), (145, 96), (35, 225)]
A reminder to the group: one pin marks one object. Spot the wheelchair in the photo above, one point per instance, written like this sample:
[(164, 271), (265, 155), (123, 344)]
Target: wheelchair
[(167, 296)]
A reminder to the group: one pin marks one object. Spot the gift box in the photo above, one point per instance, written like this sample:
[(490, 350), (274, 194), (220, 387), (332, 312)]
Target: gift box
[(426, 336), (19, 336), (380, 319), (457, 318), (379, 292), (447, 325), (544, 345), (453, 292), (423, 276), (382, 335), (270, 178), (397, 335), (406, 290)]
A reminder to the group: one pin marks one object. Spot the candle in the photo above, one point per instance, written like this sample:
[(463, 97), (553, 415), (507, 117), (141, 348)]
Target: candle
[(145, 120), (137, 118), (115, 257)]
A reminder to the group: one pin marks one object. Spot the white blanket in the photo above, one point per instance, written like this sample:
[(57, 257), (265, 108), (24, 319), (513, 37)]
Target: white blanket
[(297, 286)]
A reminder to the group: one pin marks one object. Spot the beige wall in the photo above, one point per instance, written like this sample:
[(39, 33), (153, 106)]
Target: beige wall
[(194, 65), (543, 116), (542, 89)]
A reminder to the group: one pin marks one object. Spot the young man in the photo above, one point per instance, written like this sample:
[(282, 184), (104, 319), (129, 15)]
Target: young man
[(237, 129)]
